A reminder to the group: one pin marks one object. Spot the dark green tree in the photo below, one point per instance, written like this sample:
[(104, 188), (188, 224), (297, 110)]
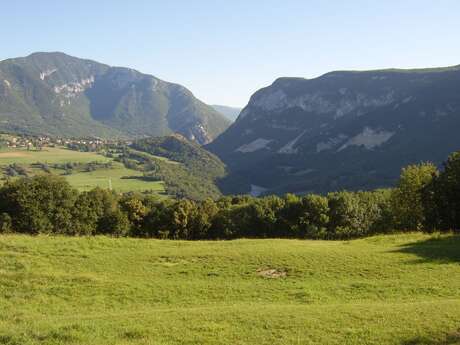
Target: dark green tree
[(441, 198), (40, 204), (406, 200)]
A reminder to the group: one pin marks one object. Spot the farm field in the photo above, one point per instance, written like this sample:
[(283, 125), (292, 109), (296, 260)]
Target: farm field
[(394, 289), (50, 155), (120, 178)]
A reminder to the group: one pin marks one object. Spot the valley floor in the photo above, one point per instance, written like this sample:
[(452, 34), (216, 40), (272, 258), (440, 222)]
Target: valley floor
[(116, 176), (395, 289)]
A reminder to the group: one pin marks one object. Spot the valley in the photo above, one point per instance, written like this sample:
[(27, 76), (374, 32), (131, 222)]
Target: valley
[(230, 172)]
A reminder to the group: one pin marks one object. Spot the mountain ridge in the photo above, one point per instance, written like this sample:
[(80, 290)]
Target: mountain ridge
[(352, 130), (55, 93), (229, 112)]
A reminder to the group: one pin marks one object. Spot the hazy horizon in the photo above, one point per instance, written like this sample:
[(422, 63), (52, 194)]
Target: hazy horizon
[(224, 52)]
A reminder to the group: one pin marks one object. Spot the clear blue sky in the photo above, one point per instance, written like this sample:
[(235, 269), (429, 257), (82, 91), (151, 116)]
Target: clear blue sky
[(224, 50)]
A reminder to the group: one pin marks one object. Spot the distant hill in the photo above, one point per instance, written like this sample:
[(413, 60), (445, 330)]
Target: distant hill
[(230, 113), (196, 173), (61, 95), (352, 130)]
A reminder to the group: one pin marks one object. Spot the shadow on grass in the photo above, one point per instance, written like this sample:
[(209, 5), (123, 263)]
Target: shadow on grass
[(450, 339), (444, 249)]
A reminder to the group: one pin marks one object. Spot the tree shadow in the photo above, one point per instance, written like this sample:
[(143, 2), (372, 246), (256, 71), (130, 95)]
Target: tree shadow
[(443, 249), (449, 339)]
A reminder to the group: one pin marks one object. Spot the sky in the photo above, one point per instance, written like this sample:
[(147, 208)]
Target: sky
[(225, 50)]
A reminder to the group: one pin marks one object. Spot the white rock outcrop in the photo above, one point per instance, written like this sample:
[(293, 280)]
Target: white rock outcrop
[(369, 138), (253, 146), (289, 147), (47, 73), (71, 90)]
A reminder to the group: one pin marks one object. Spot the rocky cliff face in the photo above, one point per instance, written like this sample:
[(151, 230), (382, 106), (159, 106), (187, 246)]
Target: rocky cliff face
[(343, 130), (53, 93)]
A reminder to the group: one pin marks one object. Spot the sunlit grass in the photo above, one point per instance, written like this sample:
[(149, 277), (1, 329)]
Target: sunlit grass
[(49, 155), (118, 177), (399, 289)]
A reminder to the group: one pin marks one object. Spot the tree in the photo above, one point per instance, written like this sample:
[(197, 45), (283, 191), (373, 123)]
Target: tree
[(133, 206), (202, 221), (289, 216), (406, 200), (441, 197), (157, 222), (89, 210), (115, 223), (40, 204), (6, 224), (183, 214), (314, 219), (358, 214)]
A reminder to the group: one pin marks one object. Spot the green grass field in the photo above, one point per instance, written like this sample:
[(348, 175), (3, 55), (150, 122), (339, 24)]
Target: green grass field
[(118, 179), (50, 155), (80, 179), (398, 289)]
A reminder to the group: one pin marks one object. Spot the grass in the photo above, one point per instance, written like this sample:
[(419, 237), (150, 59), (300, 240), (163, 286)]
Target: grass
[(50, 155), (121, 178), (398, 289)]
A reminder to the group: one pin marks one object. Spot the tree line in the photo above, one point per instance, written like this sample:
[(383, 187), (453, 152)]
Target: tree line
[(424, 199)]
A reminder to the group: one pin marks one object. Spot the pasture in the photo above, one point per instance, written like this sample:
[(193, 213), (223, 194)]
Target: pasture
[(49, 155), (119, 177), (393, 289)]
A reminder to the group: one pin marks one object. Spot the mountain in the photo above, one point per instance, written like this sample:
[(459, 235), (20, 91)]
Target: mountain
[(230, 113), (57, 94), (345, 129)]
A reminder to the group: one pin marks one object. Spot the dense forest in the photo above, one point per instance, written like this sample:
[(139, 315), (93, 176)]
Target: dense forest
[(424, 199)]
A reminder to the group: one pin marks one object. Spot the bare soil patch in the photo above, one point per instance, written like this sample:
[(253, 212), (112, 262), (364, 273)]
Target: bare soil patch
[(271, 273)]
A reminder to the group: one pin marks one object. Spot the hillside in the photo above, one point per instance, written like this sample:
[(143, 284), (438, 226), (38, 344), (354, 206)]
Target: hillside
[(60, 95), (195, 174), (352, 130), (230, 113), (401, 289)]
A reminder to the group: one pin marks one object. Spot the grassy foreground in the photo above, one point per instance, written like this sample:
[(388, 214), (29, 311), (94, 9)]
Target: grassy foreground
[(398, 289)]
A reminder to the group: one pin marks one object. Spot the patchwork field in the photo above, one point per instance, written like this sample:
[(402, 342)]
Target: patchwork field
[(120, 178), (398, 289)]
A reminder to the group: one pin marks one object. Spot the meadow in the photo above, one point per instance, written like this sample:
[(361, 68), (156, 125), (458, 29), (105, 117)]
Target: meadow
[(50, 155), (118, 176), (393, 289)]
